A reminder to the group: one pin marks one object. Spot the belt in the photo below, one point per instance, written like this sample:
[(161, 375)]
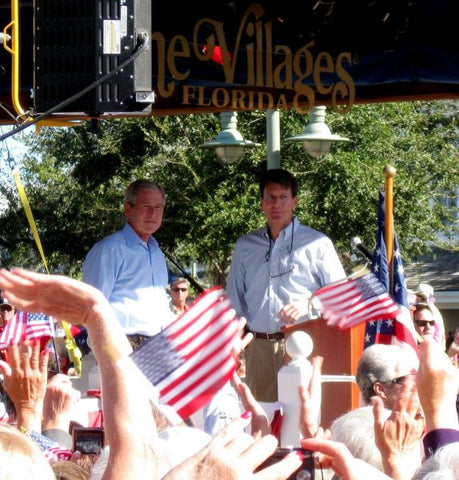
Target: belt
[(267, 336)]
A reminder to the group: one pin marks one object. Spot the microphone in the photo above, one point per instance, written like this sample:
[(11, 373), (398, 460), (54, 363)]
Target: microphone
[(4, 243), (357, 244)]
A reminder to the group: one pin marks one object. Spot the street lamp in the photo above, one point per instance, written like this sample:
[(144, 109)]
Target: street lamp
[(317, 137), (229, 144)]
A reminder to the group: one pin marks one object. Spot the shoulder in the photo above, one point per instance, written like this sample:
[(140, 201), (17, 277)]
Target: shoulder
[(311, 233), (252, 238), (110, 242)]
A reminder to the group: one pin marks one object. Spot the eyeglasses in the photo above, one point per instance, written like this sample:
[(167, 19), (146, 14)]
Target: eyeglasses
[(397, 381), (176, 289), (424, 323), (289, 250), (6, 308)]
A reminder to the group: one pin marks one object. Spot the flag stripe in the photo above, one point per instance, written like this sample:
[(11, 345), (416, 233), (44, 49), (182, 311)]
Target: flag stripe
[(26, 326), (191, 359), (399, 331)]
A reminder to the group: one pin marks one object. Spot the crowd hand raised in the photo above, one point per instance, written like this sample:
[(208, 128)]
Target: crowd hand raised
[(67, 300), (25, 379), (233, 455), (438, 383), (311, 399), (59, 403), (335, 455), (292, 312), (260, 423), (399, 435)]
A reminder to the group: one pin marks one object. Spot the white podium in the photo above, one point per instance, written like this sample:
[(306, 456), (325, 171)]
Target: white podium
[(289, 378)]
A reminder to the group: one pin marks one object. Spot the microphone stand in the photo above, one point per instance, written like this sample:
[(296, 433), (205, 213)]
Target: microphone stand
[(193, 282)]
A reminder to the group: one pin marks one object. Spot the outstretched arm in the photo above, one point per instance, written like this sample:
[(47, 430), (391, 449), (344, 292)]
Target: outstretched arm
[(128, 420)]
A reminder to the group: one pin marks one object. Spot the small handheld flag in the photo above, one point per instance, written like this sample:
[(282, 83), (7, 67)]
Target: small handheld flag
[(26, 326), (355, 300), (193, 357)]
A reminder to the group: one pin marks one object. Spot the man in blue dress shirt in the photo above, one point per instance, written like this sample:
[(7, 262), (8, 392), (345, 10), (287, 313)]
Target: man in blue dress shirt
[(274, 271), (129, 268)]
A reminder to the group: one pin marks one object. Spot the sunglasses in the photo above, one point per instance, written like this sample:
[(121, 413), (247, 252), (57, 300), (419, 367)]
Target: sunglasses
[(6, 309), (424, 323), (176, 289), (397, 381)]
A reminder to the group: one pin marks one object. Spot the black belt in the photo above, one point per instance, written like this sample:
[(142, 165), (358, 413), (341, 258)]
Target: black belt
[(266, 336)]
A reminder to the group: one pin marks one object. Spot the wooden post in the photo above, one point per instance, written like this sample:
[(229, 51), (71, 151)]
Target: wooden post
[(389, 174)]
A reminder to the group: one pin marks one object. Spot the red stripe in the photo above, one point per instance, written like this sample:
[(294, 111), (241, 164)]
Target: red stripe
[(204, 341), (204, 398), (405, 335), (206, 374), (193, 366)]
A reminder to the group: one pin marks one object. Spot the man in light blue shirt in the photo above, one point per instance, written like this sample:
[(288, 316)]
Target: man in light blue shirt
[(274, 271), (129, 268)]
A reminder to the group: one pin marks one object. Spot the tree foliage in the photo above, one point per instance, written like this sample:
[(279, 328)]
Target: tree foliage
[(75, 179)]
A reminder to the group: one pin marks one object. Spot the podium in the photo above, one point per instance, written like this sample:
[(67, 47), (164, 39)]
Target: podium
[(341, 351)]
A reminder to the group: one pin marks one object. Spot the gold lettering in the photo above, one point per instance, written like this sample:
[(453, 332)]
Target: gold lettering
[(189, 93), (202, 101), (237, 99), (282, 103), (303, 58), (265, 96), (323, 63), (225, 97), (269, 55), (259, 51), (346, 88), (298, 101), (178, 48), (250, 49), (283, 71), (163, 89)]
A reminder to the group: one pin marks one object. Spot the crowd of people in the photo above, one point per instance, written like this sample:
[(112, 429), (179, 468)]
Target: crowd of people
[(407, 426)]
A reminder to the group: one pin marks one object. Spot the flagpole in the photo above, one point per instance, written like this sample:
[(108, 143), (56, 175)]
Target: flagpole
[(389, 174)]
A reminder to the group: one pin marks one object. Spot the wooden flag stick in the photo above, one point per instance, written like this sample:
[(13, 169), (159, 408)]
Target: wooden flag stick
[(389, 174)]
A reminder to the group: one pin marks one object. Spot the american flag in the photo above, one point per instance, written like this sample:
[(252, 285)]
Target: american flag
[(193, 357), (51, 449), (354, 301), (401, 330), (26, 326)]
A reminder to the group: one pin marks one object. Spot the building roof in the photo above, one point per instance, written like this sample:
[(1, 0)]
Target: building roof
[(439, 268)]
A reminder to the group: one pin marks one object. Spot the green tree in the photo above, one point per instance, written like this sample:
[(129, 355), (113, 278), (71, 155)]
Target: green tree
[(75, 179)]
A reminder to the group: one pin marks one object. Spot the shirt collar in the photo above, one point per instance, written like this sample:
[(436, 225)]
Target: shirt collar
[(133, 239), (284, 233)]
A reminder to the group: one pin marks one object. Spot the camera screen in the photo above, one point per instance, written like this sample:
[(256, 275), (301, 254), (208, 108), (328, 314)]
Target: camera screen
[(305, 472), (88, 441)]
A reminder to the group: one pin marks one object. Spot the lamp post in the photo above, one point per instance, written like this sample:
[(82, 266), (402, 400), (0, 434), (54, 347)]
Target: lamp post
[(317, 137), (229, 144)]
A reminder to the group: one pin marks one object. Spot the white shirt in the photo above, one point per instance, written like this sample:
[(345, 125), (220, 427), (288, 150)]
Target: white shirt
[(267, 274)]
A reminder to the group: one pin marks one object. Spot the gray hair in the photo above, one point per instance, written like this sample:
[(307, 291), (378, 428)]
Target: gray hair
[(377, 364), (356, 430), (442, 465), (133, 189)]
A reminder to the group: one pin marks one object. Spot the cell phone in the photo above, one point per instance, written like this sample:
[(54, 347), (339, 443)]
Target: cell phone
[(88, 440), (305, 472)]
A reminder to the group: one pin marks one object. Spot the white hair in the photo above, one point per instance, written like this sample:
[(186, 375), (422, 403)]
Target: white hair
[(442, 465)]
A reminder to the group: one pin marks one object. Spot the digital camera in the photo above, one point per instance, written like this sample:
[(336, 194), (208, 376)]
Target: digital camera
[(305, 472)]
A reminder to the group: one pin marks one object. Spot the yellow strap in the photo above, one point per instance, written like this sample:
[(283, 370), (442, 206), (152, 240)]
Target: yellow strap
[(73, 351), (29, 215)]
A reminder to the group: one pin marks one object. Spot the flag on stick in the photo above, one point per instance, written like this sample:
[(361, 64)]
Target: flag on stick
[(193, 357), (26, 326), (354, 301), (401, 330), (51, 449)]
